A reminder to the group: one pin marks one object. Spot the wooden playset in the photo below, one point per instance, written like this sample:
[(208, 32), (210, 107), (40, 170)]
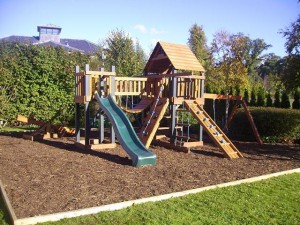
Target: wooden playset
[(164, 93)]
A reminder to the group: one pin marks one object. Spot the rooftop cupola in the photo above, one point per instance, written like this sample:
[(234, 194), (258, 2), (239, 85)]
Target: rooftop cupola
[(49, 32)]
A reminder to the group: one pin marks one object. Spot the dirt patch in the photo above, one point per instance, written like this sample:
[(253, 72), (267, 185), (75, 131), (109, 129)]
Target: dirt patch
[(54, 176)]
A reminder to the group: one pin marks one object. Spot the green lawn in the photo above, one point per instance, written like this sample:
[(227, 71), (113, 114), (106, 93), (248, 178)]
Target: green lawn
[(17, 129), (272, 201)]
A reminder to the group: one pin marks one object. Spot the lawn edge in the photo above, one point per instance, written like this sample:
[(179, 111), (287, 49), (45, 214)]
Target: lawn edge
[(122, 205)]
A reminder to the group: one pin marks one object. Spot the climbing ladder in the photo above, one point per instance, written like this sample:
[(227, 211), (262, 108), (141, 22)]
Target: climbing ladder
[(152, 120), (213, 130)]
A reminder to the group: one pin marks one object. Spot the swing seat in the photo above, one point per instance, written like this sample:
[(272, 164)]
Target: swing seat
[(140, 107)]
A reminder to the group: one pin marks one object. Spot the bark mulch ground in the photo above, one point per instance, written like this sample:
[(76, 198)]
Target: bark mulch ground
[(53, 176)]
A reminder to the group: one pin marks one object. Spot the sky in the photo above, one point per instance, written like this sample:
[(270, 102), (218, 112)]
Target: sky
[(153, 20)]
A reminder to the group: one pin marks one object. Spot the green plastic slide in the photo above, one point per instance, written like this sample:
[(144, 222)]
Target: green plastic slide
[(125, 133)]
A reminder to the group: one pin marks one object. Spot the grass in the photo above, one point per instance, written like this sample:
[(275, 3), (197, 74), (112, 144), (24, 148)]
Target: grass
[(272, 201), (4, 219), (17, 129)]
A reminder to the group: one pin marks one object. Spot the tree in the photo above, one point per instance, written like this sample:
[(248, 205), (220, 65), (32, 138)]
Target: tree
[(291, 33), (277, 103), (253, 98), (269, 100), (291, 73), (296, 102), (261, 96), (198, 44), (292, 69), (229, 70), (285, 101), (120, 51), (246, 96)]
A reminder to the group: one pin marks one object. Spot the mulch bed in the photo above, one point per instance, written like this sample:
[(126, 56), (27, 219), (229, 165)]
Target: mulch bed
[(53, 176)]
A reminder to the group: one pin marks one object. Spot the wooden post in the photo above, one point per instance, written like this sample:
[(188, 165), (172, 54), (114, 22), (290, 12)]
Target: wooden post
[(173, 90), (101, 116), (86, 107), (200, 135), (112, 92), (77, 110)]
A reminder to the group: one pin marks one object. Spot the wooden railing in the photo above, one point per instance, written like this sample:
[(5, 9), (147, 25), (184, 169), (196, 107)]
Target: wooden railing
[(176, 86)]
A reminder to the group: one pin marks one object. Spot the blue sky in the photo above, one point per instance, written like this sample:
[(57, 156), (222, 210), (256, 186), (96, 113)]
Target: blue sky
[(151, 21)]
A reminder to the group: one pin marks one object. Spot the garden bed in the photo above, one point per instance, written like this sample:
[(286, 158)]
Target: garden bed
[(54, 176)]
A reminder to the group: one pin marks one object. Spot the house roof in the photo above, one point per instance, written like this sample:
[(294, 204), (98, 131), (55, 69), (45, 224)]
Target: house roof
[(168, 56), (84, 46)]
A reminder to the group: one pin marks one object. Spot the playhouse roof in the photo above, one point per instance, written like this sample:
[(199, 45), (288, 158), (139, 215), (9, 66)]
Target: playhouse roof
[(168, 56)]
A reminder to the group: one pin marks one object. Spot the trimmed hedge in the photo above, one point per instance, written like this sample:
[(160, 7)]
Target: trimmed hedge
[(273, 124)]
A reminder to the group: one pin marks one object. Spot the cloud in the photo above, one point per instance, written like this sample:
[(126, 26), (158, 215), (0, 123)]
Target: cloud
[(141, 28), (154, 31)]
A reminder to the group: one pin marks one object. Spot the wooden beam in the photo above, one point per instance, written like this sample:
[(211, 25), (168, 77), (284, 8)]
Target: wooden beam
[(222, 97), (171, 146), (193, 144)]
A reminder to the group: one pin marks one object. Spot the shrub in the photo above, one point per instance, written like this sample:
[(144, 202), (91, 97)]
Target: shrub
[(261, 96), (285, 101), (253, 98), (246, 96), (269, 100), (273, 124), (277, 99), (296, 103), (38, 81)]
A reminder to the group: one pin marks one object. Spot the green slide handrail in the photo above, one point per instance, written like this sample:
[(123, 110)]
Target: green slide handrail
[(125, 133)]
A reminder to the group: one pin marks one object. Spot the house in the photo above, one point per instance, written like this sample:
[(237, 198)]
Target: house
[(49, 35)]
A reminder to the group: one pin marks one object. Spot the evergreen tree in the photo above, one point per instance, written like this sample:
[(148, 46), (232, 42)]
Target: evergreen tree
[(269, 100), (120, 51), (285, 101), (253, 98), (277, 99), (246, 96), (261, 96), (198, 43), (296, 103)]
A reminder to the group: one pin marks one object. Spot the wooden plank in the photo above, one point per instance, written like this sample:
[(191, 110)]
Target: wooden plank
[(102, 146), (193, 144), (253, 126), (171, 146), (100, 73), (154, 121), (7, 203), (210, 96)]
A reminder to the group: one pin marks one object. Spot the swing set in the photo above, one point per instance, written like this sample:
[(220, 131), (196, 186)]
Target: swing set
[(239, 102)]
